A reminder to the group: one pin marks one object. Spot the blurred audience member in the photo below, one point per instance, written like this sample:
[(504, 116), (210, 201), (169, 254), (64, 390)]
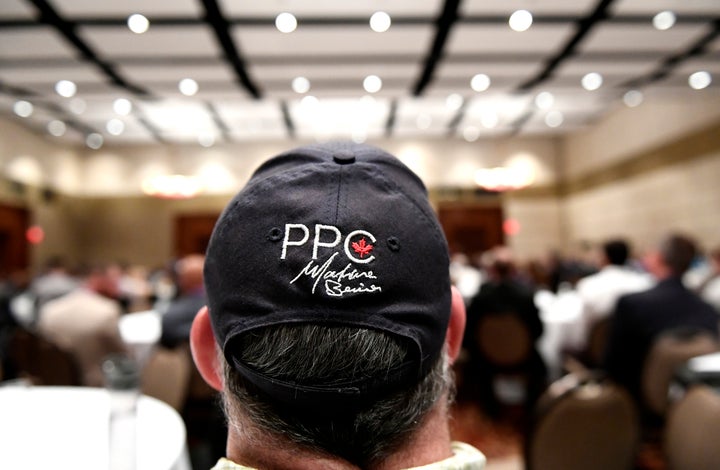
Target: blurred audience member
[(599, 292), (709, 286), (55, 281), (466, 277), (85, 323), (180, 313), (502, 293), (640, 317), (134, 288)]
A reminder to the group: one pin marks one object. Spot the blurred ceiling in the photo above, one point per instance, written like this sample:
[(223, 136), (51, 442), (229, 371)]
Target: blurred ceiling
[(433, 63)]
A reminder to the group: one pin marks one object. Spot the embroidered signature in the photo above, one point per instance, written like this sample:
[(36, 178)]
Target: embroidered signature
[(337, 282)]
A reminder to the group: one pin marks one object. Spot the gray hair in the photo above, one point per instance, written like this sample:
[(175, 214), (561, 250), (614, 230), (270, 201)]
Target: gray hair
[(312, 354)]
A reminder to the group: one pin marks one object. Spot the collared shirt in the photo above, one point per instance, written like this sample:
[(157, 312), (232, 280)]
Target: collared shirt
[(465, 457)]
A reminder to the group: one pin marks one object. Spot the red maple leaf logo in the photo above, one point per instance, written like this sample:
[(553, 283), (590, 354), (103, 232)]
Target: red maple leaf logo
[(362, 247)]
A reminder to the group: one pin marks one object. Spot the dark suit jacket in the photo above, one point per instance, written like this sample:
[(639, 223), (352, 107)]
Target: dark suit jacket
[(638, 320)]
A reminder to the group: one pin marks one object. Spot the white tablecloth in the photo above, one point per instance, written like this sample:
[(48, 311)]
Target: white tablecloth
[(69, 428)]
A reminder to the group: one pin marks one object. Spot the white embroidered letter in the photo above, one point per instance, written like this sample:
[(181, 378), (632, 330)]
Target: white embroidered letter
[(347, 246), (318, 229), (287, 242)]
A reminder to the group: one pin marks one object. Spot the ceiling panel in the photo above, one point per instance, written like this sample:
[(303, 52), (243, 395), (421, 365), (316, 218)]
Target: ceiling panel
[(34, 43), (17, 10), (651, 7), (577, 66), (174, 73), (160, 41), (255, 41), (124, 8), (330, 8), (613, 37), (82, 72), (545, 7), (497, 39)]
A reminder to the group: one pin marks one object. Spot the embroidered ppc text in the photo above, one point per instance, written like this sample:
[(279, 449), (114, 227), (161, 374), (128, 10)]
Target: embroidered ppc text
[(357, 246)]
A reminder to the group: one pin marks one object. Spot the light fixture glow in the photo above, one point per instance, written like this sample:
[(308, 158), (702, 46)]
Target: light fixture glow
[(23, 108), (503, 178), (137, 23), (188, 86), (122, 106), (480, 82), (300, 85), (664, 20), (633, 98), (115, 127), (372, 84), (423, 121), (544, 100), (554, 119), (471, 133), (454, 102), (380, 22), (592, 81), (700, 80), (172, 186), (94, 141), (286, 22), (206, 140), (65, 88), (78, 106), (309, 102), (56, 128), (521, 20), (489, 119)]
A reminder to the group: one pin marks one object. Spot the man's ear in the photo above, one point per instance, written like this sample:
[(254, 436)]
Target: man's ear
[(456, 326), (204, 352)]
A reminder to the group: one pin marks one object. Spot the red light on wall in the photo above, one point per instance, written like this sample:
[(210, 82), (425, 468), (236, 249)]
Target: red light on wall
[(35, 235), (511, 227)]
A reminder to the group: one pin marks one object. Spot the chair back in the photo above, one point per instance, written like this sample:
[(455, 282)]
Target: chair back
[(503, 339), (692, 430), (597, 340), (668, 352), (41, 361), (166, 376), (583, 422)]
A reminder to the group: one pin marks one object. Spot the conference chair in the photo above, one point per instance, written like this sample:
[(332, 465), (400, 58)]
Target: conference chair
[(41, 361), (667, 353), (583, 421), (692, 430)]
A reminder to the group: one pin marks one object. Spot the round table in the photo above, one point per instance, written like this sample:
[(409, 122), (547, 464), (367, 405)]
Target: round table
[(69, 428)]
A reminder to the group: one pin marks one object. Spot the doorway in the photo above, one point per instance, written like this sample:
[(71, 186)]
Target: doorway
[(192, 233), (14, 251), (471, 228)]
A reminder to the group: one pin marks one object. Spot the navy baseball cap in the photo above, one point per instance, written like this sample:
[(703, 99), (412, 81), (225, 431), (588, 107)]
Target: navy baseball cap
[(336, 234)]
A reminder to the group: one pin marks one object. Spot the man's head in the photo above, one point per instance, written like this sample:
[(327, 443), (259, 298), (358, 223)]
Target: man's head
[(189, 272), (329, 298), (673, 256), (616, 252)]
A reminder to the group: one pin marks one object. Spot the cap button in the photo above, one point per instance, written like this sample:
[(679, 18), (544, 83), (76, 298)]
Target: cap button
[(344, 157)]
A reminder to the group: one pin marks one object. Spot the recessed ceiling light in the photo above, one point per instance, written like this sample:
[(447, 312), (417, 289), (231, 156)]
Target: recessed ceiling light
[(78, 106), (300, 85), (286, 22), (372, 83), (471, 133), (309, 101), (700, 80), (520, 20), (380, 22), (23, 108), (188, 86), (137, 23), (423, 121), (592, 81), (122, 106), (664, 20), (633, 98), (489, 119), (65, 88), (206, 140), (94, 140), (115, 127), (544, 100), (56, 128), (554, 119), (359, 136), (480, 82), (454, 102)]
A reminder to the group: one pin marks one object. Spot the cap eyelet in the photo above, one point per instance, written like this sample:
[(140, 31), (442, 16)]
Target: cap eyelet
[(275, 235), (393, 243)]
